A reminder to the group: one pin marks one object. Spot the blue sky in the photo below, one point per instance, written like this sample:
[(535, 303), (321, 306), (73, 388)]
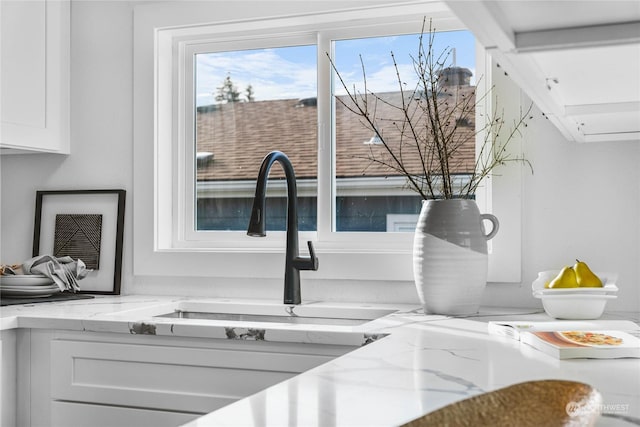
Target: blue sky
[(290, 73)]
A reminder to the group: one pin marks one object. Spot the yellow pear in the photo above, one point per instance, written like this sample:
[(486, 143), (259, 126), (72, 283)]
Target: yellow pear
[(585, 277), (565, 279)]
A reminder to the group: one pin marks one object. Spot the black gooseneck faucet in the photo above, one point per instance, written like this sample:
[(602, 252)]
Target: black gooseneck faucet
[(294, 263)]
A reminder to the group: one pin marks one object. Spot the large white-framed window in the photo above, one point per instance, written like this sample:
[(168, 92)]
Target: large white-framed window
[(165, 215)]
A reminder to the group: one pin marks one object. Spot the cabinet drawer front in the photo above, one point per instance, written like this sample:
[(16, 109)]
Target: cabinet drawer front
[(82, 415), (169, 378)]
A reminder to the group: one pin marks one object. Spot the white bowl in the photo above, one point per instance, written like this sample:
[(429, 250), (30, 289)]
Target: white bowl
[(574, 303), (574, 306), (608, 282)]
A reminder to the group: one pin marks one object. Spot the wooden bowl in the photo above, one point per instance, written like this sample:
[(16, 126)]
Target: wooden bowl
[(546, 403)]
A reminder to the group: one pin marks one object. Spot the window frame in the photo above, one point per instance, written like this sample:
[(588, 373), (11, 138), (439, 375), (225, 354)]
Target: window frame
[(166, 241), (187, 235)]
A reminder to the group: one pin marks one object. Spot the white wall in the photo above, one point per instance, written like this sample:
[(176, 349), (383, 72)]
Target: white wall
[(582, 201)]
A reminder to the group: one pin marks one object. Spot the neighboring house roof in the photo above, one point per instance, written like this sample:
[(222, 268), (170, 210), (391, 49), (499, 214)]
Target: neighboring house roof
[(240, 134)]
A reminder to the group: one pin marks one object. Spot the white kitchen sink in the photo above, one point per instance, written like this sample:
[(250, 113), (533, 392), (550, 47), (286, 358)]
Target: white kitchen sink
[(274, 313)]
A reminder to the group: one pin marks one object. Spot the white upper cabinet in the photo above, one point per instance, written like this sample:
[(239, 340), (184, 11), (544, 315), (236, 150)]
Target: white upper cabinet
[(35, 76), (578, 61)]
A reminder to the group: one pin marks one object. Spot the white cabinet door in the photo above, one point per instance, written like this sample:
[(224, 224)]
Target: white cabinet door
[(176, 376), (8, 380), (35, 62), (162, 377)]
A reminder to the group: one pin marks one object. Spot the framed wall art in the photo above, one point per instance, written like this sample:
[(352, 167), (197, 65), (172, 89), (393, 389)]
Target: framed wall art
[(86, 225)]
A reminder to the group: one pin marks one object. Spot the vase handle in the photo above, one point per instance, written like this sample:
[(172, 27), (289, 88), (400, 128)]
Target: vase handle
[(494, 222)]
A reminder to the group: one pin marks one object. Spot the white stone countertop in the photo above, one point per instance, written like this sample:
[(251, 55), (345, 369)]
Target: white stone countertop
[(413, 363)]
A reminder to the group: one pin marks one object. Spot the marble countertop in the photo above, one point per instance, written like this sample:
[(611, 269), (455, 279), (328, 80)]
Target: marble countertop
[(411, 364)]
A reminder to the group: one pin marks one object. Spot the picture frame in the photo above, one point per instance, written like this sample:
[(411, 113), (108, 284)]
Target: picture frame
[(84, 224)]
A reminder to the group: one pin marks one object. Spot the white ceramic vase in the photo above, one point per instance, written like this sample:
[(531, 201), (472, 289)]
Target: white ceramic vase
[(450, 256)]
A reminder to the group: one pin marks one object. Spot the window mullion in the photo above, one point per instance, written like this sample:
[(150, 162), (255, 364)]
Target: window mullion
[(325, 216)]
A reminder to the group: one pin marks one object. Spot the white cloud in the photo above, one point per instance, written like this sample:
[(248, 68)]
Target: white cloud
[(270, 75)]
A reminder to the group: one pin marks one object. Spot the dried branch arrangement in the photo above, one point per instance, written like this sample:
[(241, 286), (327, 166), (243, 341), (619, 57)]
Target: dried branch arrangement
[(425, 122)]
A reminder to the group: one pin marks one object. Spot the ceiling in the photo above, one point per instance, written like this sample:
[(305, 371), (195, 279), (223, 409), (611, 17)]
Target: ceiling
[(579, 61)]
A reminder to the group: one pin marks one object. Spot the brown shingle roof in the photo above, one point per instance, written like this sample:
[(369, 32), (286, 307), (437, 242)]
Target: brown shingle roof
[(241, 134)]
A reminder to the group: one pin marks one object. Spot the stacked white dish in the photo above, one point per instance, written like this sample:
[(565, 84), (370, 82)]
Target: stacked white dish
[(574, 303), (27, 286)]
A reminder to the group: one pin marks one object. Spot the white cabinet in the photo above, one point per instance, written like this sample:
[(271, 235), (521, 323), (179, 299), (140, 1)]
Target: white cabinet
[(35, 62), (579, 62), (101, 379)]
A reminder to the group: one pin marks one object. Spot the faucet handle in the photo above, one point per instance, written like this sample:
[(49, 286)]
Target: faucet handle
[(310, 263), (312, 256)]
